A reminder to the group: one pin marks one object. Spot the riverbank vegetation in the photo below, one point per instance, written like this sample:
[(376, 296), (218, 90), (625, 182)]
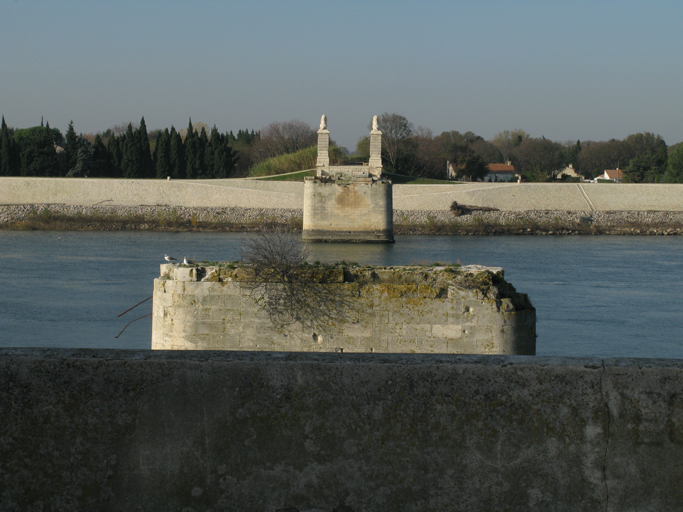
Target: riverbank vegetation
[(187, 220)]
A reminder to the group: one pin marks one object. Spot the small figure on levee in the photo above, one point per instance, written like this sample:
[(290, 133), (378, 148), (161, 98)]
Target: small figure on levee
[(188, 262), (169, 258)]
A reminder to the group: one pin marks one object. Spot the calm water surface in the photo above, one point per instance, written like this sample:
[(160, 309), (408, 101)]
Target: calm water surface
[(603, 296)]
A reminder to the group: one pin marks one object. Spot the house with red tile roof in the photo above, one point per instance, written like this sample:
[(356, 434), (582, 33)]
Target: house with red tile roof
[(496, 172), (614, 175), (501, 172)]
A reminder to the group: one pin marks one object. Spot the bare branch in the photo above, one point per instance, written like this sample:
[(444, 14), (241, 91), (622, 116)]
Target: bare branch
[(288, 289)]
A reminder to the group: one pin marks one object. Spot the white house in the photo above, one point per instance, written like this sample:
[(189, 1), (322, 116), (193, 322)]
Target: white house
[(496, 172), (501, 172), (614, 175)]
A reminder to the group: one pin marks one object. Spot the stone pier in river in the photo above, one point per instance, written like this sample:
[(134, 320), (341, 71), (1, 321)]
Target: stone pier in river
[(447, 309), (348, 203)]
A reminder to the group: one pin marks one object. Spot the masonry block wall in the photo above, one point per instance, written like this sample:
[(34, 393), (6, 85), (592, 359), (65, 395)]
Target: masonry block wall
[(471, 310)]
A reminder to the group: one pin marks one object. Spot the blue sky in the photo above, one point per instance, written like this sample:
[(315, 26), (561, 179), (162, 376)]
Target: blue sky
[(589, 70)]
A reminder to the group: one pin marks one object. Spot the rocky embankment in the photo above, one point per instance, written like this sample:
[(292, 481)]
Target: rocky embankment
[(164, 218), (541, 222)]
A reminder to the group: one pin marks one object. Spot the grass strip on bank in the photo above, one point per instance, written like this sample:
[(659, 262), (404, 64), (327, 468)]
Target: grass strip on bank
[(47, 220), (396, 179), (296, 176), (400, 179)]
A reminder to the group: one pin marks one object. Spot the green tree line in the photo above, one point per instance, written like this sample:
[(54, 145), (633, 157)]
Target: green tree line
[(643, 157), (197, 152), (44, 151)]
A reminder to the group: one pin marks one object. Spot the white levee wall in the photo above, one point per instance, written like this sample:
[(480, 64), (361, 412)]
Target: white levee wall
[(246, 193)]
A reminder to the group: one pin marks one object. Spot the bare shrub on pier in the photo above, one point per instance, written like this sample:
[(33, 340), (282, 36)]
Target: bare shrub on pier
[(290, 290)]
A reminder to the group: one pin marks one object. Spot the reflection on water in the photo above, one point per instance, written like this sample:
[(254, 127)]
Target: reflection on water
[(605, 296)]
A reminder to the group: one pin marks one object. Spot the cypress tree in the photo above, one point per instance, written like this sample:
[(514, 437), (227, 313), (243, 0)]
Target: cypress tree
[(130, 163), (5, 150), (202, 145), (71, 149), (146, 167), (225, 165), (115, 156), (213, 146), (177, 155), (163, 155), (190, 147), (85, 162), (101, 162)]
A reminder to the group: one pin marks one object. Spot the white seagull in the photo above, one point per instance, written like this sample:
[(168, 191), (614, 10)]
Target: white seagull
[(169, 258), (187, 262)]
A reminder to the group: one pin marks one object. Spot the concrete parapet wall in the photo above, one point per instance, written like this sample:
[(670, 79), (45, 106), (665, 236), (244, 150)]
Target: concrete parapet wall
[(140, 430), (470, 311)]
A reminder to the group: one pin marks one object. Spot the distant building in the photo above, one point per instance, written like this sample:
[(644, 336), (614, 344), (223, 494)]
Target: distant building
[(570, 172), (614, 175), (496, 172), (501, 172)]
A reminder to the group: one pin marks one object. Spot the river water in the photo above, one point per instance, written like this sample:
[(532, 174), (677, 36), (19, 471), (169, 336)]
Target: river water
[(601, 296)]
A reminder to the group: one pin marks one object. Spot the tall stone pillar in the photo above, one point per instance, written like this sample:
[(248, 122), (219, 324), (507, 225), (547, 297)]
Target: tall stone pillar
[(323, 161), (375, 163)]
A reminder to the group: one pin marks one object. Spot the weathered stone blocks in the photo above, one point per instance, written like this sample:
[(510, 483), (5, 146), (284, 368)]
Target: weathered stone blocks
[(396, 309), (348, 211)]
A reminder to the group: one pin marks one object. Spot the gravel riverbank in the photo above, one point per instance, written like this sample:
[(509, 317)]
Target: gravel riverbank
[(164, 218)]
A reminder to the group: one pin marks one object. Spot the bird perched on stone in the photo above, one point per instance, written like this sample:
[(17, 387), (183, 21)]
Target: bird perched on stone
[(187, 262), (169, 258)]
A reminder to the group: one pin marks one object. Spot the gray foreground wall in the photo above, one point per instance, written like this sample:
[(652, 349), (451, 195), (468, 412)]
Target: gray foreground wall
[(199, 431)]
